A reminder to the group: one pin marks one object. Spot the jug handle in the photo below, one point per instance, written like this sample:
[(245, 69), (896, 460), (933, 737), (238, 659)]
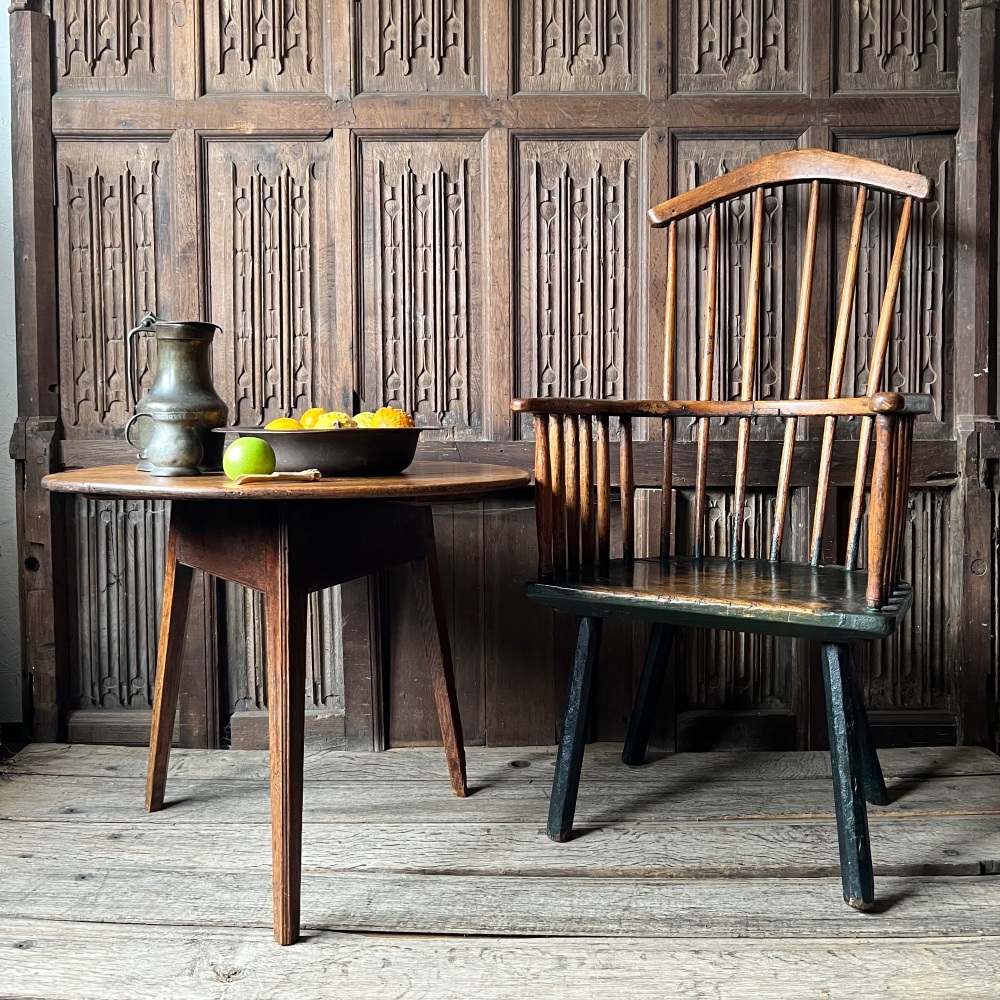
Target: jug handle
[(128, 424), (143, 326)]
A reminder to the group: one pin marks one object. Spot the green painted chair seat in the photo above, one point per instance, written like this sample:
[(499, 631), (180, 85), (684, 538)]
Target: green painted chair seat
[(752, 595)]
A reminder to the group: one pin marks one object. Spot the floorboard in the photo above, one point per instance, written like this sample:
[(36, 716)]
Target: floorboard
[(205, 964), (713, 873)]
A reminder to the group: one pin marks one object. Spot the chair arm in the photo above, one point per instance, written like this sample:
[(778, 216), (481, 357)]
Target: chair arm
[(856, 406)]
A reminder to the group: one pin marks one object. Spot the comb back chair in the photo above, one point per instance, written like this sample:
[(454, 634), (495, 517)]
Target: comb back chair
[(832, 603)]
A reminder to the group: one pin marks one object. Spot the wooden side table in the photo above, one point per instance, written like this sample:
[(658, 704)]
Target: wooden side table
[(287, 540)]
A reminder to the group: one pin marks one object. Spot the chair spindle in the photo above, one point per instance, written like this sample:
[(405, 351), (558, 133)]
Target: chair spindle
[(669, 379), (881, 510), (627, 480), (904, 458), (572, 479), (543, 495), (558, 496), (880, 349), (837, 371), (586, 492), (603, 491), (749, 362), (705, 386), (798, 371)]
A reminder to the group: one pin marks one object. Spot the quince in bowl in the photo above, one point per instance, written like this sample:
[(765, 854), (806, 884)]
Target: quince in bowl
[(379, 444)]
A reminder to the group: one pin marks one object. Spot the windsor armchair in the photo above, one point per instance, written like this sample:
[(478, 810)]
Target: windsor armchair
[(808, 599)]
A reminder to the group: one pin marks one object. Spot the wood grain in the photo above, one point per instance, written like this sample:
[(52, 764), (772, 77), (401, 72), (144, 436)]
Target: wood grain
[(63, 956), (749, 366), (787, 168), (706, 376), (173, 621), (422, 479), (488, 765), (836, 376), (285, 611)]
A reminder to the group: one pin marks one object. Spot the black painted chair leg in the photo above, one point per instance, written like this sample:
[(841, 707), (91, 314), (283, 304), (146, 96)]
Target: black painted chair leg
[(646, 698), (566, 783), (875, 791), (848, 779)]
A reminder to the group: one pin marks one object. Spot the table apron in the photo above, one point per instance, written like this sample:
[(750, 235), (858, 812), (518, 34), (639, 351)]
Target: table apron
[(327, 542)]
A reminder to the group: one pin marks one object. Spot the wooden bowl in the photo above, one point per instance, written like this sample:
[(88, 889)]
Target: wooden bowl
[(341, 451)]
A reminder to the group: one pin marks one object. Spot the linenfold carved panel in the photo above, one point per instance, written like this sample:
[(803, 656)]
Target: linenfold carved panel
[(581, 45), (422, 295), (419, 46), (911, 669), (119, 548), (698, 161), (270, 285), (922, 320), (246, 651), (115, 45), (735, 669), (738, 45), (270, 46), (577, 232), (110, 197), (897, 44)]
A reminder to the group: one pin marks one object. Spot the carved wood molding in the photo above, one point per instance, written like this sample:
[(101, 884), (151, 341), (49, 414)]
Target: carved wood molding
[(32, 6)]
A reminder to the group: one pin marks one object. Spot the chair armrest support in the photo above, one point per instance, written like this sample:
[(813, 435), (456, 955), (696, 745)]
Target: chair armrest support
[(857, 406)]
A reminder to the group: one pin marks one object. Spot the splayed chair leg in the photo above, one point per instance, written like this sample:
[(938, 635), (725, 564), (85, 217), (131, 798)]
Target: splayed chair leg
[(641, 723), (566, 783), (875, 790), (848, 777)]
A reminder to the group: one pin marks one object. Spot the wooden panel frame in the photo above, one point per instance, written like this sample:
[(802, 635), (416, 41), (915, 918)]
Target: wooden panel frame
[(499, 113)]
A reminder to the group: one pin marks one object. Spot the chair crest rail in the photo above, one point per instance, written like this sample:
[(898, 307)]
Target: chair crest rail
[(792, 166)]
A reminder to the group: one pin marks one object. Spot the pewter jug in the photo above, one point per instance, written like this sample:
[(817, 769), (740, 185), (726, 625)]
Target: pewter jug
[(182, 399)]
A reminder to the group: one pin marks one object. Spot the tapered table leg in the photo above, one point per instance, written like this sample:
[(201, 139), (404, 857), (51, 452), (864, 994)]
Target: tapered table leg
[(430, 603), (173, 621), (285, 603)]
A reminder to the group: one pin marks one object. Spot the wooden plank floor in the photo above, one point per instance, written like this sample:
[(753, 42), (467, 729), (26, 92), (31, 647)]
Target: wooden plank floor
[(697, 875)]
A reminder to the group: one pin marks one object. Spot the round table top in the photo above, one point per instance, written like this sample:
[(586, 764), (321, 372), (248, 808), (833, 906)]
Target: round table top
[(422, 480)]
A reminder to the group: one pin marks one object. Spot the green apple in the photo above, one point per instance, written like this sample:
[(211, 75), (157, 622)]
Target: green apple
[(248, 456)]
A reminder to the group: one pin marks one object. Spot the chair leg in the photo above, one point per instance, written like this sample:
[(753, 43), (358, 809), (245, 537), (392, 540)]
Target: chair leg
[(430, 603), (566, 783), (875, 791), (641, 722), (173, 622), (848, 779)]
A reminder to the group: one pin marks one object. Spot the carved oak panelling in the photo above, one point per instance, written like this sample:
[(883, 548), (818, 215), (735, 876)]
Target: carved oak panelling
[(270, 46), (911, 669), (697, 161), (419, 46), (577, 235), (738, 45), (735, 669), (270, 269), (422, 298), (117, 45), (581, 45), (923, 317), (246, 656), (897, 44), (110, 198), (119, 548)]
